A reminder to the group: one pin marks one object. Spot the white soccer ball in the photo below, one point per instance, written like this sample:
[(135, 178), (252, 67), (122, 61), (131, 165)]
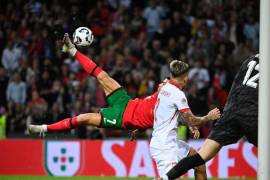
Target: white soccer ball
[(83, 36)]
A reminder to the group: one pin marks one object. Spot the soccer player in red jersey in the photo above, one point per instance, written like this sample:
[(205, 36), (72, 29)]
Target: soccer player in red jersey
[(122, 113)]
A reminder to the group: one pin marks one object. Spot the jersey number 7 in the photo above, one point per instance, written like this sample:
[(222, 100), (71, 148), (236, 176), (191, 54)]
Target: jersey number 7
[(251, 81)]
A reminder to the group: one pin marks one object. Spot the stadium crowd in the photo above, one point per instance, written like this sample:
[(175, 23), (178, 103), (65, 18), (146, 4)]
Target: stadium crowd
[(134, 42)]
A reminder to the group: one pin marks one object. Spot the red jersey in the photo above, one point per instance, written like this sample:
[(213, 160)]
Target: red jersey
[(139, 113)]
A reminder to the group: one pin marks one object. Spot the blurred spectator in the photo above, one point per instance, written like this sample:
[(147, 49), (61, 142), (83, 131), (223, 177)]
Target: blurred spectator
[(162, 33), (36, 108), (11, 56), (45, 85), (219, 90), (26, 71), (153, 14), (130, 86), (164, 71), (197, 101), (100, 97), (235, 29), (73, 64), (251, 31), (137, 22), (16, 90), (98, 18), (147, 85), (179, 27), (199, 76), (119, 3), (56, 113), (57, 92), (16, 118)]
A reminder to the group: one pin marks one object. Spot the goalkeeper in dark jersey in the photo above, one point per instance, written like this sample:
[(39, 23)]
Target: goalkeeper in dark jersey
[(239, 118)]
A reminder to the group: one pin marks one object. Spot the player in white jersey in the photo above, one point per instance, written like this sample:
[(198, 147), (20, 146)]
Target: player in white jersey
[(171, 107)]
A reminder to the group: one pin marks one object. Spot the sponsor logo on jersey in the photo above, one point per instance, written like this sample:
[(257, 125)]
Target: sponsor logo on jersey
[(183, 100)]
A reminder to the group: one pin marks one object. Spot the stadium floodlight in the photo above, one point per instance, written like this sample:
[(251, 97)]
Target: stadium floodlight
[(264, 95)]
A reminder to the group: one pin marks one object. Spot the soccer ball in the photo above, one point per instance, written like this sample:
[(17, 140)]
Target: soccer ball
[(83, 36)]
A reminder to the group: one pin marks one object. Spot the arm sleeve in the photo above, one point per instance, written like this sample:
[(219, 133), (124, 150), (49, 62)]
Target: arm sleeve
[(181, 102)]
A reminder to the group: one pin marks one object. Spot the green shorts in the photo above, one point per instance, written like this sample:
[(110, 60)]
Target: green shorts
[(112, 116)]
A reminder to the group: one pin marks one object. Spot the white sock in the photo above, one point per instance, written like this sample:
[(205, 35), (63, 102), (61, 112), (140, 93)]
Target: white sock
[(44, 126), (72, 51)]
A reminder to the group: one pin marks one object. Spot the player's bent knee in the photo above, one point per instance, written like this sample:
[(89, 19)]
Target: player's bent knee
[(107, 82), (103, 76), (201, 168)]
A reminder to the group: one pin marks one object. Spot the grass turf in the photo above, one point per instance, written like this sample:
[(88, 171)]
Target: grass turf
[(88, 178)]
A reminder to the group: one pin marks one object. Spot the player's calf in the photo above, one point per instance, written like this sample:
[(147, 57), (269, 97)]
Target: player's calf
[(65, 124), (184, 165), (200, 173)]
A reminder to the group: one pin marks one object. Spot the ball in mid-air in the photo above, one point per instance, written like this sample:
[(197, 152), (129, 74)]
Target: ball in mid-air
[(83, 36)]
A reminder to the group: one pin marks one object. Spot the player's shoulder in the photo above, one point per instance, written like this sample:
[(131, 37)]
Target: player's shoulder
[(247, 61), (255, 57), (174, 90), (171, 87)]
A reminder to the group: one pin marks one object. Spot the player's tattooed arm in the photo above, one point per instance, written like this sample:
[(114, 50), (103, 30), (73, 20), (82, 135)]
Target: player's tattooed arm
[(193, 120)]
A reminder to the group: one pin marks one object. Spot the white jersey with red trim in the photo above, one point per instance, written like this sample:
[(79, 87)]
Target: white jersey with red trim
[(171, 101)]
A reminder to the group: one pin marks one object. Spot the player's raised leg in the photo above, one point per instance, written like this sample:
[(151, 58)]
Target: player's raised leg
[(93, 119), (109, 84)]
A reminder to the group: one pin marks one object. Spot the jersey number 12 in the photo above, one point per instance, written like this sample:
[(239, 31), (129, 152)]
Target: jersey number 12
[(251, 81)]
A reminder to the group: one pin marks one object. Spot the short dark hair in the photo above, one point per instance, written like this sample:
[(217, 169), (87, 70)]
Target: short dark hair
[(178, 68)]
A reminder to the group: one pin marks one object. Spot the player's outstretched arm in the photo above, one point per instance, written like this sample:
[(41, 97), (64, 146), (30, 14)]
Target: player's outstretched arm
[(198, 121)]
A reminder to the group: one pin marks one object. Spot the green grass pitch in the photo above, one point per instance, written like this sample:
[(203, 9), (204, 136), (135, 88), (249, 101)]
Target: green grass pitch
[(86, 178)]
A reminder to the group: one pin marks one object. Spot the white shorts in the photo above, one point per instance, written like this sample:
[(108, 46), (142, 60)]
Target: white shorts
[(167, 158)]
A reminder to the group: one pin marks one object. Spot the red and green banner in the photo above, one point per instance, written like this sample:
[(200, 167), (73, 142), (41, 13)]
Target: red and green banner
[(111, 158)]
